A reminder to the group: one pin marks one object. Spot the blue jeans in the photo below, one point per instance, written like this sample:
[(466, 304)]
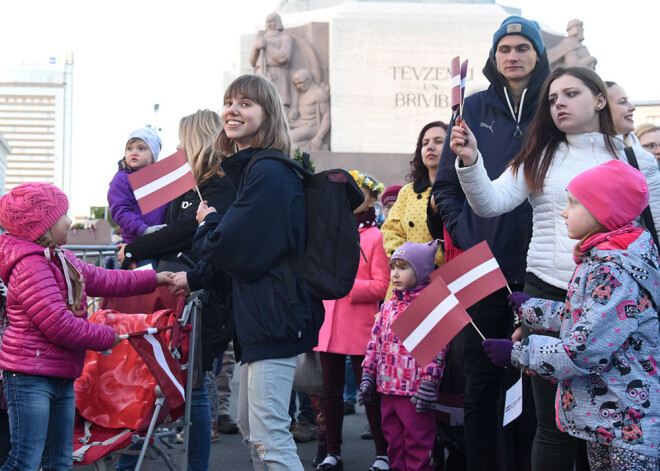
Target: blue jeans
[(199, 442), (350, 388), (41, 415), (263, 413)]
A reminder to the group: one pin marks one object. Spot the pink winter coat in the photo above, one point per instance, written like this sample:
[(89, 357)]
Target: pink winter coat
[(44, 337), (348, 321)]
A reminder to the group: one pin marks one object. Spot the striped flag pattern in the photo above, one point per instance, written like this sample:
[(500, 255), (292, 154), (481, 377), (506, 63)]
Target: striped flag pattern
[(161, 364), (455, 83), (430, 321), (159, 183), (472, 275), (464, 67)]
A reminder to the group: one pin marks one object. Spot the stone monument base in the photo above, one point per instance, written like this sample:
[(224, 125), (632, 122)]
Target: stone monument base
[(389, 169)]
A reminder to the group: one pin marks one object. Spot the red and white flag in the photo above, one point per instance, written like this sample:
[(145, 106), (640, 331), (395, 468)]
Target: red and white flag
[(161, 364), (464, 67), (472, 275), (455, 83), (430, 321), (159, 183)]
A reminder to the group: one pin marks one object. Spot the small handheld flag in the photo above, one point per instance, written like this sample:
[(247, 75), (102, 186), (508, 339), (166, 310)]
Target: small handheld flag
[(455, 83), (159, 183)]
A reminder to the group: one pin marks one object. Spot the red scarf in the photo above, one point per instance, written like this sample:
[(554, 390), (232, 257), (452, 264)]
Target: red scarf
[(596, 239)]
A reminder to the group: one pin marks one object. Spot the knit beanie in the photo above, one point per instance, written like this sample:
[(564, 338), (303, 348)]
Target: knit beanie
[(518, 25), (614, 192), (30, 209), (421, 257), (149, 136), (390, 194)]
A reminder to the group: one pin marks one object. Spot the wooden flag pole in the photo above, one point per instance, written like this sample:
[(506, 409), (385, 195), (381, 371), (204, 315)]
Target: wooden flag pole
[(202, 199), (477, 329), (507, 287)]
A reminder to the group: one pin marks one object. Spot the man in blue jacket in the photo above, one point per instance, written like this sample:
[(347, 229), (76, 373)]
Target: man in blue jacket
[(516, 68)]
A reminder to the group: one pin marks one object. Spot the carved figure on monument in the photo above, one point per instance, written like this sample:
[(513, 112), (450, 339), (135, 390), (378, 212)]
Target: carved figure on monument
[(271, 54), (570, 51), (310, 122)]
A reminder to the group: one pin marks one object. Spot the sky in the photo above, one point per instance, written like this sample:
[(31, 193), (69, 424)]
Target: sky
[(130, 55)]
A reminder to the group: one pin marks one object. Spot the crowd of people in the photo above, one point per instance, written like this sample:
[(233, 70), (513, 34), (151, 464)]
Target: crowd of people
[(546, 166)]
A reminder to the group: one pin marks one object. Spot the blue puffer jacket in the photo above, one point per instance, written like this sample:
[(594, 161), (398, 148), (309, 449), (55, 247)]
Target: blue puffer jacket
[(605, 359), (500, 139), (264, 225)]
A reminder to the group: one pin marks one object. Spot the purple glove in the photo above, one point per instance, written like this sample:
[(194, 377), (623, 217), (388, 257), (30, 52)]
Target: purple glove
[(367, 386), (425, 397), (517, 299), (499, 351)]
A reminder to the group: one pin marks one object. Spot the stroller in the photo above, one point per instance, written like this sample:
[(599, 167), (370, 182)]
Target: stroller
[(135, 395)]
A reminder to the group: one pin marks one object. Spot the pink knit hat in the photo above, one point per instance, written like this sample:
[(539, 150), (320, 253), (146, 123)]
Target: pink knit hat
[(30, 209), (614, 192)]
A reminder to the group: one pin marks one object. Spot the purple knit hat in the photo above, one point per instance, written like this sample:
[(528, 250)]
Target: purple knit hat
[(614, 192), (421, 257), (30, 209)]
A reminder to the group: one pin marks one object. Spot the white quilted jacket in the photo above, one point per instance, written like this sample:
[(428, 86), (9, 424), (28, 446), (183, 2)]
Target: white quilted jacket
[(550, 254)]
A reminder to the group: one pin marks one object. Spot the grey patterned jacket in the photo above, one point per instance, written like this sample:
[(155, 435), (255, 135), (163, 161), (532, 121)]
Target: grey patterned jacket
[(605, 358)]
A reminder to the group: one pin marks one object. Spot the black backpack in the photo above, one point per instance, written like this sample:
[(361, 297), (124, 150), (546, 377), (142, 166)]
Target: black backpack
[(332, 242)]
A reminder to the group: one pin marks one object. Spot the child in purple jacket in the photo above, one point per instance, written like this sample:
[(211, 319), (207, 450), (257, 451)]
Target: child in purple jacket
[(142, 149), (408, 390)]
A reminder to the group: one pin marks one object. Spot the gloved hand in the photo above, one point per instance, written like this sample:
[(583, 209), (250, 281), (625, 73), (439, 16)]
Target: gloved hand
[(367, 387), (425, 397), (499, 351), (517, 299), (151, 229)]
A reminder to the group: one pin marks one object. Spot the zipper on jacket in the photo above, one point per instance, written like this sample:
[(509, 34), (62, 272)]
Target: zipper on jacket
[(518, 132)]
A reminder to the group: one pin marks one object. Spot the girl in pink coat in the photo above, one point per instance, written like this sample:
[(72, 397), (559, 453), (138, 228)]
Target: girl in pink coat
[(43, 349), (347, 326)]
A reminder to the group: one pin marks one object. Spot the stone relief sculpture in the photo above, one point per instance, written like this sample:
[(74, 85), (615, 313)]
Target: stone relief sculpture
[(570, 51), (271, 55), (310, 122)]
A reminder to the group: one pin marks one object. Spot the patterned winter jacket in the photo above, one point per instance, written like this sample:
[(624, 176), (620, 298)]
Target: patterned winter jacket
[(397, 372), (605, 358), (44, 336)]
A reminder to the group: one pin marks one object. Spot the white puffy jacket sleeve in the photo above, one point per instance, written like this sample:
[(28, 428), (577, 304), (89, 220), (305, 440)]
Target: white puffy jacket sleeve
[(491, 198)]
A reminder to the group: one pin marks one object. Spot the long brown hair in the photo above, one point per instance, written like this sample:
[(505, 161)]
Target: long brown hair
[(597, 230), (197, 133), (76, 279), (543, 138), (274, 130), (417, 168)]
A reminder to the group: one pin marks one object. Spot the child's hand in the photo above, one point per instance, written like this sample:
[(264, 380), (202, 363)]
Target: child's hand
[(163, 278), (517, 299), (204, 210), (499, 351), (425, 397), (367, 386), (517, 334), (117, 340), (179, 286), (120, 254)]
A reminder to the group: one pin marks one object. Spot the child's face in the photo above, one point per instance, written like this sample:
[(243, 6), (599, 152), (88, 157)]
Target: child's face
[(138, 154), (369, 201), (241, 118), (386, 209), (59, 233), (579, 220), (402, 275)]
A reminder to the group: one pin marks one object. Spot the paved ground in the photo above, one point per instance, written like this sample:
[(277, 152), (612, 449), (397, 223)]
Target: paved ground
[(229, 453)]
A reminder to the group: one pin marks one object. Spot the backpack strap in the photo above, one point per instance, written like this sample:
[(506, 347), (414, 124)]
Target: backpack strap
[(647, 217)]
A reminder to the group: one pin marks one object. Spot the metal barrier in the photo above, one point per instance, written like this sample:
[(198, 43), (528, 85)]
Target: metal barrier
[(104, 256)]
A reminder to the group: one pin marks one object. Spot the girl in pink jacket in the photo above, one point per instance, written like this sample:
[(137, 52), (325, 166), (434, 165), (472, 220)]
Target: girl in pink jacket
[(43, 349), (407, 390), (346, 329)]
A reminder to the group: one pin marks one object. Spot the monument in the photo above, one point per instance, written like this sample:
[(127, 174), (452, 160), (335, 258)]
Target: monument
[(361, 78), (570, 51)]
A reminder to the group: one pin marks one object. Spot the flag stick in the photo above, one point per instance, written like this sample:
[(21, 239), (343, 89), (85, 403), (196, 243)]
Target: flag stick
[(507, 287), (202, 199), (477, 329)]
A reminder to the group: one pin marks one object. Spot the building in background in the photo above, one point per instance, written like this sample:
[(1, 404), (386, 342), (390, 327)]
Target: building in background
[(36, 103), (647, 112), (5, 149)]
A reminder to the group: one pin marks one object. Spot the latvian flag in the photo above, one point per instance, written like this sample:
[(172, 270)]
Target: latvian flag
[(455, 83), (430, 321), (472, 275), (159, 183), (161, 364)]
